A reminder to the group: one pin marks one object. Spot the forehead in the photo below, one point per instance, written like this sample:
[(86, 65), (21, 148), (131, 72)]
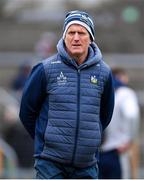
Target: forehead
[(77, 27)]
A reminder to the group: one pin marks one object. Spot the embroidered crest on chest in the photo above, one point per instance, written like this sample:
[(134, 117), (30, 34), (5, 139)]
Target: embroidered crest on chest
[(93, 79), (61, 79)]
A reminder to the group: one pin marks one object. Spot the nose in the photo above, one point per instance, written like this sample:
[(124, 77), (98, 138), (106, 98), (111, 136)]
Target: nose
[(76, 36)]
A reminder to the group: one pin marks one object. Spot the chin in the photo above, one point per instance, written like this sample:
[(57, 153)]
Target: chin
[(76, 52)]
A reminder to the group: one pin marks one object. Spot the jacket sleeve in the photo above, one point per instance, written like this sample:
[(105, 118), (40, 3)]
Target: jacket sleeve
[(32, 98), (107, 102)]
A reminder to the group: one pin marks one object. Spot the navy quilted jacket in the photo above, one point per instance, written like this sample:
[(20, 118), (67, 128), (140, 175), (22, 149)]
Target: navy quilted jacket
[(65, 106)]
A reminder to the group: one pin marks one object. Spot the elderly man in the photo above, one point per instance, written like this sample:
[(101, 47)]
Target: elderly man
[(67, 103)]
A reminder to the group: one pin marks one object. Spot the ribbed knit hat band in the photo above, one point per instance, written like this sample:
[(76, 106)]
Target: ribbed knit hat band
[(81, 18)]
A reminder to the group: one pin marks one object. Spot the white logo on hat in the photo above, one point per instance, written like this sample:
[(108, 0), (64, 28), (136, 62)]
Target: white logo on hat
[(84, 18)]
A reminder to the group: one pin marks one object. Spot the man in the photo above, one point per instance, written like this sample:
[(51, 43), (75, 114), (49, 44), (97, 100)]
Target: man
[(122, 134), (67, 103)]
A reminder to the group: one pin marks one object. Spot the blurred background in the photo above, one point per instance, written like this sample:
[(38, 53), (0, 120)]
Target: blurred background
[(29, 32)]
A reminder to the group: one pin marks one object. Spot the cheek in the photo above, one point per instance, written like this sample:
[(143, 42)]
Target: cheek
[(67, 40), (87, 40), (67, 44), (86, 43)]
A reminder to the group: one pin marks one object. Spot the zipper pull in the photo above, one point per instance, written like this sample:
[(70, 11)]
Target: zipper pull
[(78, 70)]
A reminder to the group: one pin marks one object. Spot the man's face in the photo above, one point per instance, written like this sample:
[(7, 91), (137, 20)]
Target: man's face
[(77, 41)]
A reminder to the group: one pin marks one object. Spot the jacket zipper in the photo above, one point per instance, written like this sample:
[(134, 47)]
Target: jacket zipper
[(78, 115)]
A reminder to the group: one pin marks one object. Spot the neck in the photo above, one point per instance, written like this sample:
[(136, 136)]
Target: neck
[(80, 58)]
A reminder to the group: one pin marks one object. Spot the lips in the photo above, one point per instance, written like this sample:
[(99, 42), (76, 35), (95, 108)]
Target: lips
[(77, 45)]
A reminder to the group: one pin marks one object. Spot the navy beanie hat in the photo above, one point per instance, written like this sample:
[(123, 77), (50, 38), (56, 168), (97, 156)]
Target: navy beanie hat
[(81, 18)]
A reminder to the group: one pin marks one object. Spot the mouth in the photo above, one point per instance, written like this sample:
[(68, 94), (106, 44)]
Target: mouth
[(76, 45)]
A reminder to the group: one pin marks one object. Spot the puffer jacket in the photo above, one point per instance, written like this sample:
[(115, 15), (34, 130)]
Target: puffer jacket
[(65, 106)]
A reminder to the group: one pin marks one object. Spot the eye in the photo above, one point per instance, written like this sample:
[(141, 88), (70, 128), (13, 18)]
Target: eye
[(71, 32), (82, 33)]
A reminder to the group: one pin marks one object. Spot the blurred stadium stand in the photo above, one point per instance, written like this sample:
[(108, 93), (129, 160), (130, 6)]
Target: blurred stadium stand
[(119, 24)]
